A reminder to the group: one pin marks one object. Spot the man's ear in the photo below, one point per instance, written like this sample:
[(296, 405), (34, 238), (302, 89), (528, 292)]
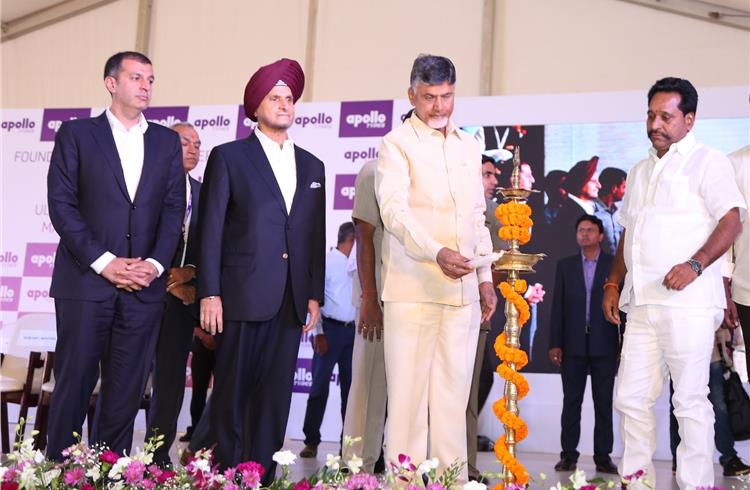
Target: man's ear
[(410, 93), (110, 83), (690, 120)]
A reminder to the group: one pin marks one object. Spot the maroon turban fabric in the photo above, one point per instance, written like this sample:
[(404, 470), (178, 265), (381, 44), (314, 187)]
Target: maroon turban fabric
[(266, 78), (580, 174)]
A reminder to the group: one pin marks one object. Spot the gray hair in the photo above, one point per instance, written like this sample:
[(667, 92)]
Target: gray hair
[(181, 124), (432, 70)]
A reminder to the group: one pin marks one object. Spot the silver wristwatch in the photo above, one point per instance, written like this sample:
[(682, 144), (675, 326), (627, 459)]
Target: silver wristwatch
[(696, 266)]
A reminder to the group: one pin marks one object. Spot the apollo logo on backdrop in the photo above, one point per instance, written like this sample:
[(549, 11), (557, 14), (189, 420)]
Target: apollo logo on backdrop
[(219, 122), (365, 118), (40, 259), (320, 120), (23, 125), (167, 116), (10, 293), (343, 197), (302, 376), (370, 153), (52, 119), (244, 124)]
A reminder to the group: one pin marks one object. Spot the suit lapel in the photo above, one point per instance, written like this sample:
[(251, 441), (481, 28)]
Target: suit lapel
[(578, 272), (301, 176), (149, 163), (259, 159), (103, 136)]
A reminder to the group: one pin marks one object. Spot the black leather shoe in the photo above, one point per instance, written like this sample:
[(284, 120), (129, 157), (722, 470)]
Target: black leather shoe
[(309, 451), (188, 435), (565, 465), (607, 467), (735, 467)]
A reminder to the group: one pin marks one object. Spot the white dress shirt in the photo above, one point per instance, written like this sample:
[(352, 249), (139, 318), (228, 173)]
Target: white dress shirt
[(671, 207), (129, 143), (741, 277), (283, 165), (338, 290)]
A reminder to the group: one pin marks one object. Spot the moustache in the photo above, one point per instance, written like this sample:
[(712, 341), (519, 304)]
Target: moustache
[(656, 133)]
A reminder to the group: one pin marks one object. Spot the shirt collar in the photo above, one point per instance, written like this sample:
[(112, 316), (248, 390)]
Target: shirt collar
[(424, 131), (115, 123), (268, 142), (682, 147), (594, 260), (589, 206)]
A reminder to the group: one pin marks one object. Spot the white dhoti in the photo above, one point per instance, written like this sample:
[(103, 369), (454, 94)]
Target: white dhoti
[(429, 360), (678, 341), (365, 409)]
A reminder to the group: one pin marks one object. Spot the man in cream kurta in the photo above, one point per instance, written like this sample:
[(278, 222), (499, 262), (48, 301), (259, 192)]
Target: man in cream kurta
[(429, 187)]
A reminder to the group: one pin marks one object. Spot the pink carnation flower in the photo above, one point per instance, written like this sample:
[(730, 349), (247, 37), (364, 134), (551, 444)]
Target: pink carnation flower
[(134, 472), (302, 485), (362, 481), (74, 476), (109, 457)]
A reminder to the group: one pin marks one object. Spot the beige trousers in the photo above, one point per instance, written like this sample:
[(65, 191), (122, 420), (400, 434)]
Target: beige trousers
[(365, 408), (660, 340), (429, 361)]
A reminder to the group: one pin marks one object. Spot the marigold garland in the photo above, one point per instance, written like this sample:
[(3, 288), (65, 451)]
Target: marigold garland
[(524, 312), (519, 359), (516, 221)]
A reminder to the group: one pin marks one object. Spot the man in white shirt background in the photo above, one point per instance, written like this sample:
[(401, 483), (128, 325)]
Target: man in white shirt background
[(681, 213), (333, 340)]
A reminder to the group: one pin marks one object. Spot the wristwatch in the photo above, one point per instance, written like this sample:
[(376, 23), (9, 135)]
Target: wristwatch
[(696, 266)]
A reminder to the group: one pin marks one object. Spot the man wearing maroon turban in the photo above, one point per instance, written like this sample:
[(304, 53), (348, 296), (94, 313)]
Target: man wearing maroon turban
[(262, 256)]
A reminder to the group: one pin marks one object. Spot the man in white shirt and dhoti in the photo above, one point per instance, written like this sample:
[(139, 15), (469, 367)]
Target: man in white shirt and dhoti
[(681, 212)]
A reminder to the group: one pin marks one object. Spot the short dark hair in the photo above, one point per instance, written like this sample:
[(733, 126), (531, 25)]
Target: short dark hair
[(555, 179), (688, 94), (611, 177), (432, 70), (591, 219), (345, 231), (114, 63)]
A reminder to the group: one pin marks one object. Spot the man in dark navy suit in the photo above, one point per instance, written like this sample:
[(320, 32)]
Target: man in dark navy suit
[(583, 343), (262, 268), (180, 311), (116, 193)]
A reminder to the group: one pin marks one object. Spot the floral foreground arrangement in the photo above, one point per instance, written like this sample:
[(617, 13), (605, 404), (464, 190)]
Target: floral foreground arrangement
[(98, 468)]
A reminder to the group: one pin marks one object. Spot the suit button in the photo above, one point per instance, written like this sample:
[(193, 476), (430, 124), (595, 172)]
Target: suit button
[(127, 236), (285, 256), (132, 207)]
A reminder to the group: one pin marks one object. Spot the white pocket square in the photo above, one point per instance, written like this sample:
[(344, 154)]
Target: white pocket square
[(315, 185)]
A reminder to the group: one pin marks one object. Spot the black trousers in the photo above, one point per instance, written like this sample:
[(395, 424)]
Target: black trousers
[(117, 335), (253, 378), (575, 370), (168, 379), (201, 368)]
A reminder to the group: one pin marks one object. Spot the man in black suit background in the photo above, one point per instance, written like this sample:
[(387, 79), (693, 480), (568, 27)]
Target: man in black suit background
[(582, 343), (180, 310), (262, 268), (116, 194)]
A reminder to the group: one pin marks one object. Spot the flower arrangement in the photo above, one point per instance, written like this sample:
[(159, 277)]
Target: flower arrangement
[(98, 468)]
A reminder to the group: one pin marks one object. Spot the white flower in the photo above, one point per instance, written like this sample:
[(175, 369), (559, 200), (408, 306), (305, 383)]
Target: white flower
[(474, 485), (116, 471), (94, 472), (428, 465), (38, 457), (355, 464), (349, 440), (578, 479), (557, 487), (202, 465), (542, 476), (28, 478), (3, 469), (332, 461), (284, 458)]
